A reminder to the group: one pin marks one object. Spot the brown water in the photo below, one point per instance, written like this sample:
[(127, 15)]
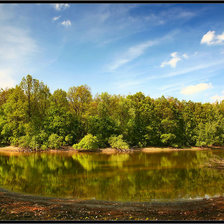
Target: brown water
[(120, 177)]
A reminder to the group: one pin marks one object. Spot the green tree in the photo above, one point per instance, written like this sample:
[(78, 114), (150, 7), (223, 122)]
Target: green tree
[(79, 99), (88, 142)]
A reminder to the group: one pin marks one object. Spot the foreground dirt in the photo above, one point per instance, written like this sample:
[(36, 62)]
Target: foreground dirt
[(14, 206)]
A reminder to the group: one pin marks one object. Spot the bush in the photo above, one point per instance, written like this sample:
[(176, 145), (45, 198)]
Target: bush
[(88, 142), (117, 142), (55, 141), (24, 141), (167, 139), (69, 139), (35, 142), (43, 136), (14, 141), (43, 147)]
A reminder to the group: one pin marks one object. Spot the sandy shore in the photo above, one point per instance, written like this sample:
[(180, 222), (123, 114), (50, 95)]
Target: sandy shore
[(69, 149), (157, 149), (10, 150)]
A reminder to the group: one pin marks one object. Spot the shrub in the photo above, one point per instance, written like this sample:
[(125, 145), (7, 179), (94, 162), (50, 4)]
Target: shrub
[(167, 139), (117, 142), (69, 139), (55, 141), (24, 141), (43, 147), (35, 142), (14, 141), (88, 142), (43, 136)]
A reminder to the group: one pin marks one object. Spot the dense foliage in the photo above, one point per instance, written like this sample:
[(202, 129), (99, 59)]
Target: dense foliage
[(117, 142), (88, 142), (32, 117)]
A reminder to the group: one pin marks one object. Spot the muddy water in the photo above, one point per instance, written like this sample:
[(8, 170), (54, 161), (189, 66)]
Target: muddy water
[(119, 177)]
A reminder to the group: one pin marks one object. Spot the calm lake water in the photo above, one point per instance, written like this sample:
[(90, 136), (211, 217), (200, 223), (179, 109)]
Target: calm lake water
[(119, 177)]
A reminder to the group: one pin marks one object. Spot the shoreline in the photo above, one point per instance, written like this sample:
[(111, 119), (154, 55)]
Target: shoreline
[(68, 149), (17, 206)]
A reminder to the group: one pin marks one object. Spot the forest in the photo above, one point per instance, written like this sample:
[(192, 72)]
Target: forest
[(33, 117)]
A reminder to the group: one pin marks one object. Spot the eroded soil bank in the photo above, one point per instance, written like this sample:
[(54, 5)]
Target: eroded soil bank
[(14, 206)]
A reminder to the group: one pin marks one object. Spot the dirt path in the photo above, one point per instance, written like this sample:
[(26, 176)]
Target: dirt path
[(14, 206)]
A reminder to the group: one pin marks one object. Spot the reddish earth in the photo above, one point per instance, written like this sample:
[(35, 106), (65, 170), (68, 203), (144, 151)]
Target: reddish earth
[(14, 206)]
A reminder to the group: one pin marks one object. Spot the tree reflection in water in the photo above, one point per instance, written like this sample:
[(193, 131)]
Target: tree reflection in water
[(122, 177)]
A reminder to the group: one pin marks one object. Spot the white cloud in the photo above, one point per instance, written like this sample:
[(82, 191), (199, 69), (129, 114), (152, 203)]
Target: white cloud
[(220, 38), (131, 54), (172, 62), (66, 23), (217, 97), (210, 38), (193, 89), (56, 18), (174, 59), (59, 7)]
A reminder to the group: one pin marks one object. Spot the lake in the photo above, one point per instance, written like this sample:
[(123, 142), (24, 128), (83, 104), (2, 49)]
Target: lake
[(135, 177)]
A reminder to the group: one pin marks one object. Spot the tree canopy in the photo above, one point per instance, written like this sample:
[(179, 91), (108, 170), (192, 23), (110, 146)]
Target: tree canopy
[(33, 117)]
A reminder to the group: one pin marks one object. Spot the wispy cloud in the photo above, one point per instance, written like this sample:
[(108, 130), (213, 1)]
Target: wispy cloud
[(181, 72), (56, 18), (189, 69), (15, 43), (66, 23), (210, 38), (132, 82), (17, 48), (61, 6), (108, 23), (131, 54), (6, 78), (193, 89), (217, 98)]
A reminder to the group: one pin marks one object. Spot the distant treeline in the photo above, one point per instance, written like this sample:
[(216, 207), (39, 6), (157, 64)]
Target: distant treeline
[(32, 117)]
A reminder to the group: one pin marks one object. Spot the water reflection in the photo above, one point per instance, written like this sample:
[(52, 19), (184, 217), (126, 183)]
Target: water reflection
[(123, 177)]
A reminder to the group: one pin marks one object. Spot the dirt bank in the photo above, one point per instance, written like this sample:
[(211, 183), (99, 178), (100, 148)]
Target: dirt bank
[(10, 150), (14, 206), (157, 149), (69, 149)]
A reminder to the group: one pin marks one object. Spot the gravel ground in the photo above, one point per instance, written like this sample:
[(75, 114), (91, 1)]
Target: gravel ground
[(15, 206)]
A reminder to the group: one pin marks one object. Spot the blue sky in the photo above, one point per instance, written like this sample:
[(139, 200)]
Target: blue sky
[(160, 49)]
